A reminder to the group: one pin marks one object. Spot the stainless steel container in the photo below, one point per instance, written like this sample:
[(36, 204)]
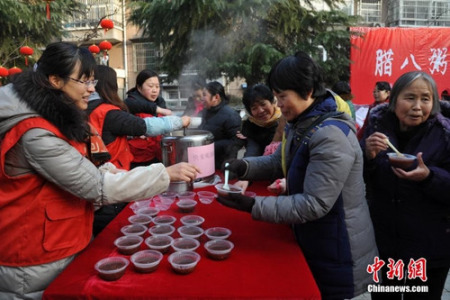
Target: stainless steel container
[(189, 145)]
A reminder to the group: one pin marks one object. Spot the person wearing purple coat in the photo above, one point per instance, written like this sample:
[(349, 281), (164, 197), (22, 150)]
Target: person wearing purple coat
[(410, 209)]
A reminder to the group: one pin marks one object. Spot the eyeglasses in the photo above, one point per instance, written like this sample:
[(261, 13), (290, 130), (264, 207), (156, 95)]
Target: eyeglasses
[(87, 83)]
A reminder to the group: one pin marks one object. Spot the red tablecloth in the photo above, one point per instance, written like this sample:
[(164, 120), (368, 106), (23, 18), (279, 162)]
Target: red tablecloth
[(266, 262)]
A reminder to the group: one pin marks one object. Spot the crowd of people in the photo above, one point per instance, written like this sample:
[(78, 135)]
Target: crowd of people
[(347, 205)]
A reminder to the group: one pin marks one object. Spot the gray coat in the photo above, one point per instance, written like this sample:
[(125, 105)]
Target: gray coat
[(325, 189)]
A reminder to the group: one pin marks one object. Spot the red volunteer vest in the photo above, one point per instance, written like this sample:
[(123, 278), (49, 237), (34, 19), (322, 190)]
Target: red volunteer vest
[(39, 223), (119, 150), (148, 148)]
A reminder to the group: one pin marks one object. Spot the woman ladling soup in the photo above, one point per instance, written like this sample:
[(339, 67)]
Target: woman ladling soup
[(410, 208)]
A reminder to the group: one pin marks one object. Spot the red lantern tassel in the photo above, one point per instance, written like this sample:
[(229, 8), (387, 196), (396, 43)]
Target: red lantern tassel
[(48, 10), (26, 60)]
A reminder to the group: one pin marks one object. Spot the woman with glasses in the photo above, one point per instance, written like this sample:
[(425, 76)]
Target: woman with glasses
[(48, 184), (111, 118)]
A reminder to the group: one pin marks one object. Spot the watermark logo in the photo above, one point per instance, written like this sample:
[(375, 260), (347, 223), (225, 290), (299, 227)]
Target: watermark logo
[(416, 269)]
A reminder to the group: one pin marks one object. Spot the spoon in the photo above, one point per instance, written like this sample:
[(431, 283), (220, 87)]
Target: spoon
[(393, 148), (227, 174)]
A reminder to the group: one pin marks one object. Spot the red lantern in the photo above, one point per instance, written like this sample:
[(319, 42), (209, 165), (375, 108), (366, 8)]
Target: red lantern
[(94, 49), (105, 46), (107, 24), (48, 8), (3, 72), (26, 51), (14, 70)]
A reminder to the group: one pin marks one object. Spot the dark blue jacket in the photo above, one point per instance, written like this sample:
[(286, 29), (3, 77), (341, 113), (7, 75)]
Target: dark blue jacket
[(325, 203), (411, 219)]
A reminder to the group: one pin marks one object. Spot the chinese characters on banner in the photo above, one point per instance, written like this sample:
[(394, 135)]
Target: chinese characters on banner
[(395, 269), (383, 54)]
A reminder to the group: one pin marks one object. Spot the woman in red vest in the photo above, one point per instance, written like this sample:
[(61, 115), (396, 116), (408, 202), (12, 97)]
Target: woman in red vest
[(48, 184), (146, 94), (110, 117)]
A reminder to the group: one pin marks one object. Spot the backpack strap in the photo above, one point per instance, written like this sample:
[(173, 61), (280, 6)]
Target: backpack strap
[(305, 134)]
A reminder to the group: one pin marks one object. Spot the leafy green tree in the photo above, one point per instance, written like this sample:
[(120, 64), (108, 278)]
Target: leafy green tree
[(243, 38), (25, 22)]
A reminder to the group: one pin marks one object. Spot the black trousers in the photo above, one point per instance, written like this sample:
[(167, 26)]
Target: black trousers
[(436, 278)]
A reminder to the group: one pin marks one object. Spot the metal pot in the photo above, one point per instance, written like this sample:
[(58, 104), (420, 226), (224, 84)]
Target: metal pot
[(189, 145)]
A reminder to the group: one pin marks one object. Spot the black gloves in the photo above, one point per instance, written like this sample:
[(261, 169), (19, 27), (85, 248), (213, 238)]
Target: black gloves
[(237, 201), (237, 167)]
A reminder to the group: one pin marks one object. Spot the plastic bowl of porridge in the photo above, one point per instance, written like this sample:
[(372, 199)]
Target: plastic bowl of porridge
[(206, 197), (194, 232), (111, 268), (192, 220), (160, 243), (163, 229), (184, 262), (233, 189), (218, 233), (146, 261), (219, 249), (134, 229), (128, 244), (185, 244)]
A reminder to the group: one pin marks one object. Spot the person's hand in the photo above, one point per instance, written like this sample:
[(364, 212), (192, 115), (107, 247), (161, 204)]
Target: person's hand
[(239, 135), (375, 143), (182, 172), (243, 184), (186, 121), (163, 111), (421, 172), (237, 201), (237, 167), (271, 148), (278, 186)]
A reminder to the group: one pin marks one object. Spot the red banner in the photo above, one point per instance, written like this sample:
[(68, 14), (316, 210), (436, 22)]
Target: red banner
[(383, 54)]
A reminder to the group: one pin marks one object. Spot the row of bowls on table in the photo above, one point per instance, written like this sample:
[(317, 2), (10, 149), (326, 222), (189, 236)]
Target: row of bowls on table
[(162, 241), (164, 200), (147, 261), (183, 260)]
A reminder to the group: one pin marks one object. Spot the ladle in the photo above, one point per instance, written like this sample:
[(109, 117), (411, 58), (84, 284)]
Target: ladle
[(393, 148), (227, 174)]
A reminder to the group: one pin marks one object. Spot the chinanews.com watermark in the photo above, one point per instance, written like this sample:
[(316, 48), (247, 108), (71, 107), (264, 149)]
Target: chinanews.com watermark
[(416, 269)]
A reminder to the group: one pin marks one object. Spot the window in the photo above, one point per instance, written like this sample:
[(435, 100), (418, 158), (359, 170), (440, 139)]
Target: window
[(146, 56)]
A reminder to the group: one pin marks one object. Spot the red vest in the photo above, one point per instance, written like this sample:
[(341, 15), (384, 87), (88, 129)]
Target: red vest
[(119, 150), (39, 222), (148, 148)]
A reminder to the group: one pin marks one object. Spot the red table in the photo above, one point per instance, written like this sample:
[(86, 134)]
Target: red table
[(266, 262)]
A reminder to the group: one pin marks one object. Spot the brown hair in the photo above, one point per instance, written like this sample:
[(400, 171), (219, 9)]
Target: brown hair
[(107, 86)]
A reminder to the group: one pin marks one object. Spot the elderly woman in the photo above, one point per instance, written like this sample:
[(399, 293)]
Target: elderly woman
[(323, 165), (411, 208)]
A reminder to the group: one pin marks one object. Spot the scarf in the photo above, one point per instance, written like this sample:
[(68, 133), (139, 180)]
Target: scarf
[(269, 123)]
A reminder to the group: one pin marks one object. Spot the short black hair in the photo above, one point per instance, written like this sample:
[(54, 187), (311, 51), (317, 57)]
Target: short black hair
[(256, 93), (342, 87)]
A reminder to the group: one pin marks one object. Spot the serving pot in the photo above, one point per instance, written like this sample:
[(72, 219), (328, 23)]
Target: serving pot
[(195, 146)]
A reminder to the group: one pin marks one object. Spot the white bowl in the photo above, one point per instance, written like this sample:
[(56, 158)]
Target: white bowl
[(219, 249), (194, 232), (146, 261), (192, 220), (217, 233), (206, 197), (184, 262), (195, 122), (185, 244)]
